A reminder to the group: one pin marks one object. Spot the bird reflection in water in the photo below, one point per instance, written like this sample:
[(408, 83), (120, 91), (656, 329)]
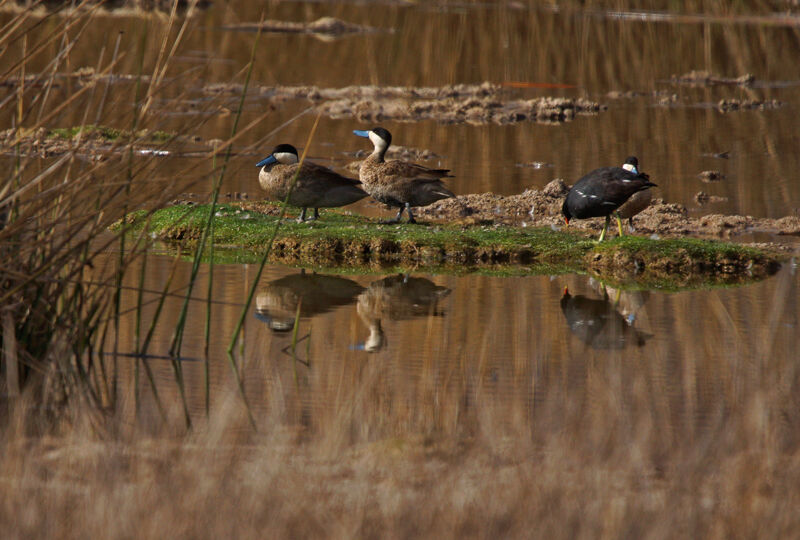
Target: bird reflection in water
[(396, 298), (277, 303), (605, 323)]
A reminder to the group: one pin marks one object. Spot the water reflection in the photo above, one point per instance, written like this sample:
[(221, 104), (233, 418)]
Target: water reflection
[(397, 298), (606, 323), (278, 301)]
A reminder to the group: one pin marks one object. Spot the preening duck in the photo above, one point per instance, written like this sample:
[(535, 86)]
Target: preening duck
[(637, 202), (601, 192), (397, 183), (316, 186)]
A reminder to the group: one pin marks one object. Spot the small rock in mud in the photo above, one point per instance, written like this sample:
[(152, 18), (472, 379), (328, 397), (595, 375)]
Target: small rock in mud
[(669, 99), (628, 94), (730, 105), (705, 78), (711, 176)]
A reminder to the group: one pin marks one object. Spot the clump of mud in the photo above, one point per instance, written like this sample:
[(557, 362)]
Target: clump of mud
[(97, 142), (324, 27), (536, 208), (462, 110), (702, 198), (315, 93), (477, 104), (730, 105), (706, 78), (711, 176)]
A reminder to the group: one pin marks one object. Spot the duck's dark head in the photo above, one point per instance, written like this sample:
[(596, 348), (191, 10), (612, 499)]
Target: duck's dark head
[(566, 212), (380, 137), (631, 164), (285, 154)]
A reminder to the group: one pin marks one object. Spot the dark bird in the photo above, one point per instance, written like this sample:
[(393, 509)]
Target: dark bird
[(637, 202), (315, 187), (601, 192), (399, 183)]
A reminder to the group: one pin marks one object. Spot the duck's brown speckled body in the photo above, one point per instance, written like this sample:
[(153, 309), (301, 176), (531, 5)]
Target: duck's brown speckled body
[(399, 184), (638, 201), (316, 186)]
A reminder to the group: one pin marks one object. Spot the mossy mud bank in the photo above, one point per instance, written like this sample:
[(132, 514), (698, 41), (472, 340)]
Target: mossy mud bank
[(242, 232), (96, 141)]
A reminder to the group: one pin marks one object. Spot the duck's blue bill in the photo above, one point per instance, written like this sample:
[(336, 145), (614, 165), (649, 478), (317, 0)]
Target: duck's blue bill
[(266, 161), (361, 133)]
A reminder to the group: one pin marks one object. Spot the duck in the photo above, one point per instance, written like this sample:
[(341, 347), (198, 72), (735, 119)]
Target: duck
[(601, 192), (316, 186), (637, 202), (399, 183)]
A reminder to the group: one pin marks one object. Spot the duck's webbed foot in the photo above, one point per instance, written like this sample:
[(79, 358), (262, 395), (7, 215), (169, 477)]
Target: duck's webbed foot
[(396, 219), (410, 215), (302, 217)]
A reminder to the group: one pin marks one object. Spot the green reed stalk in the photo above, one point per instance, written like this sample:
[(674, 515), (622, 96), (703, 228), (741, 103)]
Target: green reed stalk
[(237, 330), (181, 324)]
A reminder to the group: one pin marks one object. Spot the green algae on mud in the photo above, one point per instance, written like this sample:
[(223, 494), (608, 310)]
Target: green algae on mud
[(340, 239)]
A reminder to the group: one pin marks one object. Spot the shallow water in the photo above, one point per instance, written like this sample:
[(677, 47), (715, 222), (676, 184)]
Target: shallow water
[(439, 345), (438, 350)]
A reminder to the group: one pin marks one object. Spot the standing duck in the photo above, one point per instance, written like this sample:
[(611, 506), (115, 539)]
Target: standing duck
[(399, 183), (601, 192), (316, 186), (637, 202)]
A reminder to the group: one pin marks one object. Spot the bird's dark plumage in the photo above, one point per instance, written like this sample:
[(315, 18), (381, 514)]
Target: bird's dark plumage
[(601, 192)]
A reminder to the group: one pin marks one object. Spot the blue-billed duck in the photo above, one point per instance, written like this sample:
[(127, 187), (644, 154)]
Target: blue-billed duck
[(601, 192), (399, 183), (637, 202), (316, 186)]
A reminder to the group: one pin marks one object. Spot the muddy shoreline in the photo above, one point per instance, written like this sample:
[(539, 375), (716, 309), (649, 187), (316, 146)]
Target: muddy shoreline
[(542, 208)]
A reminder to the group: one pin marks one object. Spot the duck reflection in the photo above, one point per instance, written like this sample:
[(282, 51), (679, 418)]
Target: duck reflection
[(397, 298), (278, 300), (605, 323), (628, 303)]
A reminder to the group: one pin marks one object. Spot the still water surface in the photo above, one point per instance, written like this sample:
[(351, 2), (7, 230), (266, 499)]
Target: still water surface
[(471, 341)]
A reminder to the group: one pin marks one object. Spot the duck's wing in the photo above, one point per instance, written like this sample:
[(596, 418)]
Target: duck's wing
[(326, 176), (405, 169)]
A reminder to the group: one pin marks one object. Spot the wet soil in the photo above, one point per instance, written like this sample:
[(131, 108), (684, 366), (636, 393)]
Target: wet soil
[(705, 78), (476, 104), (95, 141)]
